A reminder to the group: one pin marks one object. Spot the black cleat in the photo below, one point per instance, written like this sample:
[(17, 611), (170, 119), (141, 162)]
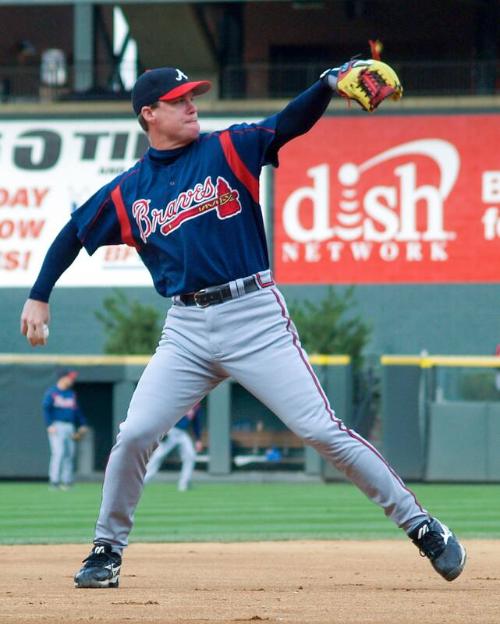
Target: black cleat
[(101, 569), (440, 545)]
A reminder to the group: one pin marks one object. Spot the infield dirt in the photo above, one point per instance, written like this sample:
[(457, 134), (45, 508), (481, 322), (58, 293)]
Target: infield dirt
[(344, 582)]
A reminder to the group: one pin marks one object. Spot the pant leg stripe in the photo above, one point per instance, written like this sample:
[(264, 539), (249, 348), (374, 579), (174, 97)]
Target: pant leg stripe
[(337, 421)]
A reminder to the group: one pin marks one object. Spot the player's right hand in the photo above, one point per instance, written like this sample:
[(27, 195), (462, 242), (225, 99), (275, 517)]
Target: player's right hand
[(35, 318)]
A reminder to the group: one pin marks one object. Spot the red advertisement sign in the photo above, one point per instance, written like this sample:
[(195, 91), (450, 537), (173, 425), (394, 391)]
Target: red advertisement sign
[(403, 199)]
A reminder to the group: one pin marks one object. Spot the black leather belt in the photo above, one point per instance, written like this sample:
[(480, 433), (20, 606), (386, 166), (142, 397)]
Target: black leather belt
[(217, 294)]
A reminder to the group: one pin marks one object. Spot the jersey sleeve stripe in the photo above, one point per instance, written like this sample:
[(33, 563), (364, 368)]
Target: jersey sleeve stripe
[(121, 212), (238, 167)]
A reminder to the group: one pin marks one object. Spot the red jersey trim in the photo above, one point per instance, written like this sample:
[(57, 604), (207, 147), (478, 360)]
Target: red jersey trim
[(238, 167), (121, 213)]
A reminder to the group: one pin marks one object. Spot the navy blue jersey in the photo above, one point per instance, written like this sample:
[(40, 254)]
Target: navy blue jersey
[(62, 405), (192, 213)]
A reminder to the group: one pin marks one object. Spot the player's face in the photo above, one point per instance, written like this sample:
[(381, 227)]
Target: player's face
[(65, 382), (174, 123)]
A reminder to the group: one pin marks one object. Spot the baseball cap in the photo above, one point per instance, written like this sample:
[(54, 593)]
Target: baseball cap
[(164, 83), (73, 374)]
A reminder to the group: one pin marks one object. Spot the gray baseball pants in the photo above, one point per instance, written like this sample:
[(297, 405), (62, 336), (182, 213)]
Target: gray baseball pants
[(253, 340), (62, 453)]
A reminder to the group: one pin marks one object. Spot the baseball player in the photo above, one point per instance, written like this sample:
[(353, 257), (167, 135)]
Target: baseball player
[(179, 437), (191, 209), (64, 421)]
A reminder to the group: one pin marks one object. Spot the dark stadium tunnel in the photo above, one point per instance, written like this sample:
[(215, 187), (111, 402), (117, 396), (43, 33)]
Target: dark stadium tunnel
[(96, 402)]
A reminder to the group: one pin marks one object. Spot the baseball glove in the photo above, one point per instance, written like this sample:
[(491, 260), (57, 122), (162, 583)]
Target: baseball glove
[(367, 82), (79, 434)]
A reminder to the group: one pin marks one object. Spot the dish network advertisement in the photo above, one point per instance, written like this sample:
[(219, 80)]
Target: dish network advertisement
[(390, 200)]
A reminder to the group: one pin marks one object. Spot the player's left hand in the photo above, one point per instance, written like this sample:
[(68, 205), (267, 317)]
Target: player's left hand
[(367, 82), (35, 318), (198, 445)]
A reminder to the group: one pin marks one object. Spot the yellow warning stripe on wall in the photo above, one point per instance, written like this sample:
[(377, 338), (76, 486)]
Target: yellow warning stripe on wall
[(429, 361), (127, 360)]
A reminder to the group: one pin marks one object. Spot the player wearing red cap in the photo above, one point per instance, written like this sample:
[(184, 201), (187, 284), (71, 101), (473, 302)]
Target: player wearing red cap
[(191, 209)]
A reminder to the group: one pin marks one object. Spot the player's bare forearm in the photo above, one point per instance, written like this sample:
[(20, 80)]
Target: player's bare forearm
[(35, 318)]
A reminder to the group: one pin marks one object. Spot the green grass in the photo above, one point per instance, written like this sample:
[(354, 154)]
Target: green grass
[(31, 514)]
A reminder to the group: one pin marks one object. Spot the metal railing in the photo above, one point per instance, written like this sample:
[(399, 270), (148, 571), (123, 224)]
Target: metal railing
[(248, 81), (84, 81), (258, 80)]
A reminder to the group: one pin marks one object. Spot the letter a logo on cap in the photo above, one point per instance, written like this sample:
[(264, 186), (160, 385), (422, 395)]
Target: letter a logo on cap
[(181, 75)]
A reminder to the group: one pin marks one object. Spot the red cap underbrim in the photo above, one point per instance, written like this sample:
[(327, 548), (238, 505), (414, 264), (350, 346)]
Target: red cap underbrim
[(198, 88)]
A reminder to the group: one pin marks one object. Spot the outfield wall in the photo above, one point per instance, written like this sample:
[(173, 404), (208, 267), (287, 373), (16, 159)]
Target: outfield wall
[(404, 205), (435, 426), (431, 429), (237, 429)]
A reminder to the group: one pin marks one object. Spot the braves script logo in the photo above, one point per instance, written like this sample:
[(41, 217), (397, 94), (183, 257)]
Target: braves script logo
[(187, 205), (63, 402), (386, 214)]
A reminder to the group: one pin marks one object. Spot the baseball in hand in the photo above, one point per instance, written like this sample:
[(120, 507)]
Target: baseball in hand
[(45, 332)]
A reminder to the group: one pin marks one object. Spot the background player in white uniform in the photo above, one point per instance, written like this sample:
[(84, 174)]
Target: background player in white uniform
[(190, 208), (178, 437)]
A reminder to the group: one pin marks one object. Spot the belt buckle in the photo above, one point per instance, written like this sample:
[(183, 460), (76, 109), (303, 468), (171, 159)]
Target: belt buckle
[(198, 294)]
